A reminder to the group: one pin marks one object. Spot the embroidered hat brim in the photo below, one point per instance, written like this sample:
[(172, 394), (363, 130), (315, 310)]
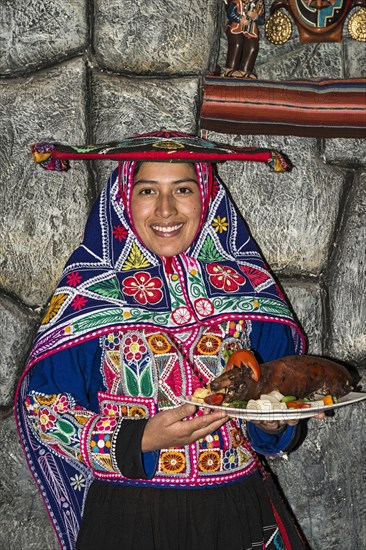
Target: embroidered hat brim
[(165, 146)]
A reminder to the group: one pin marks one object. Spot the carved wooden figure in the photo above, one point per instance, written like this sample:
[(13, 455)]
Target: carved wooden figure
[(243, 18)]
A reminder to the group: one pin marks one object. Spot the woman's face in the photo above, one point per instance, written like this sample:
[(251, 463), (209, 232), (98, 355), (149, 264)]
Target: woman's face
[(166, 206)]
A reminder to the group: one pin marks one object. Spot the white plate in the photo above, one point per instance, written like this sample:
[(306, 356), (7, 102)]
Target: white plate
[(317, 407)]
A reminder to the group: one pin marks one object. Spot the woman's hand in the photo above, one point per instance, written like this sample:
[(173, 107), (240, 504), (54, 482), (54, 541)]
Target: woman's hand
[(172, 428)]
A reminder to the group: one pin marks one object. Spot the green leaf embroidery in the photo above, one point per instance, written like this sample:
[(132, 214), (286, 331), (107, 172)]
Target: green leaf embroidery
[(147, 389), (131, 382), (135, 260), (65, 426), (108, 288), (209, 253)]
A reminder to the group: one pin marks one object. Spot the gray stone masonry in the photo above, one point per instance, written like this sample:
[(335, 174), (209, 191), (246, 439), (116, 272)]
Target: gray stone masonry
[(81, 72)]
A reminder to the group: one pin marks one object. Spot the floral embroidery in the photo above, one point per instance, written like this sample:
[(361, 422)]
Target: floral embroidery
[(231, 460), (78, 302), (46, 419), (77, 482), (204, 307), (173, 462), (112, 340), (145, 289), (159, 344), (73, 278), (134, 348), (209, 344), (62, 404), (220, 224), (105, 424), (55, 304), (225, 277), (181, 315), (120, 233), (100, 443), (110, 409), (209, 461)]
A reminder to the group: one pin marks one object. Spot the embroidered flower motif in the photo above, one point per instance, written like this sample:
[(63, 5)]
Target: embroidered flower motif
[(73, 278), (204, 307), (220, 224), (112, 340), (230, 460), (110, 409), (137, 412), (120, 233), (47, 419), (79, 302), (134, 348), (159, 344), (172, 462), (105, 424), (55, 304), (209, 344), (77, 482), (145, 289), (209, 461), (61, 405), (181, 315), (225, 277), (100, 444)]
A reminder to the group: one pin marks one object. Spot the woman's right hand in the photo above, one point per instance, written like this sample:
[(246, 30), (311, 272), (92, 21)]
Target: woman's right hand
[(173, 428)]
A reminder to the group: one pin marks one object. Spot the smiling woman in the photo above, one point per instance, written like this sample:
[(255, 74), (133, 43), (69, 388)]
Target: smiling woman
[(166, 206), (165, 285)]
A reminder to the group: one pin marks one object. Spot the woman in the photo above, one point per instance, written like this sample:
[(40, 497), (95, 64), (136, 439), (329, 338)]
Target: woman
[(165, 283)]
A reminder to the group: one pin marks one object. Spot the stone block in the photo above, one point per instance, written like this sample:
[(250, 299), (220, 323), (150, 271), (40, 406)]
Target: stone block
[(24, 523), (306, 301), (171, 37), (123, 107), (324, 480), (291, 215), (18, 327), (42, 214), (38, 33), (321, 60), (347, 281), (350, 153), (354, 58)]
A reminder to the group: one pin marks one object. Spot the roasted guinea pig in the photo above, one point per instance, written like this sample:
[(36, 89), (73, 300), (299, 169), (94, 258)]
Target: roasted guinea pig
[(298, 375)]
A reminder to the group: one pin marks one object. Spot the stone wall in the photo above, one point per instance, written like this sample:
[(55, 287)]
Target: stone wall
[(75, 71)]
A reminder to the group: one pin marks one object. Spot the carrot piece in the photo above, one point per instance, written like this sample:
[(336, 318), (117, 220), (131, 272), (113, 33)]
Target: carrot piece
[(297, 405)]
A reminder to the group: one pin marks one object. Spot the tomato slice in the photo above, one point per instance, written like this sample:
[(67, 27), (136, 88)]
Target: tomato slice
[(244, 357), (214, 399)]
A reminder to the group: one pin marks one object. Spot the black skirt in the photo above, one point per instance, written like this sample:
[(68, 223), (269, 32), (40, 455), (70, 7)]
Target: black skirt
[(238, 516)]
